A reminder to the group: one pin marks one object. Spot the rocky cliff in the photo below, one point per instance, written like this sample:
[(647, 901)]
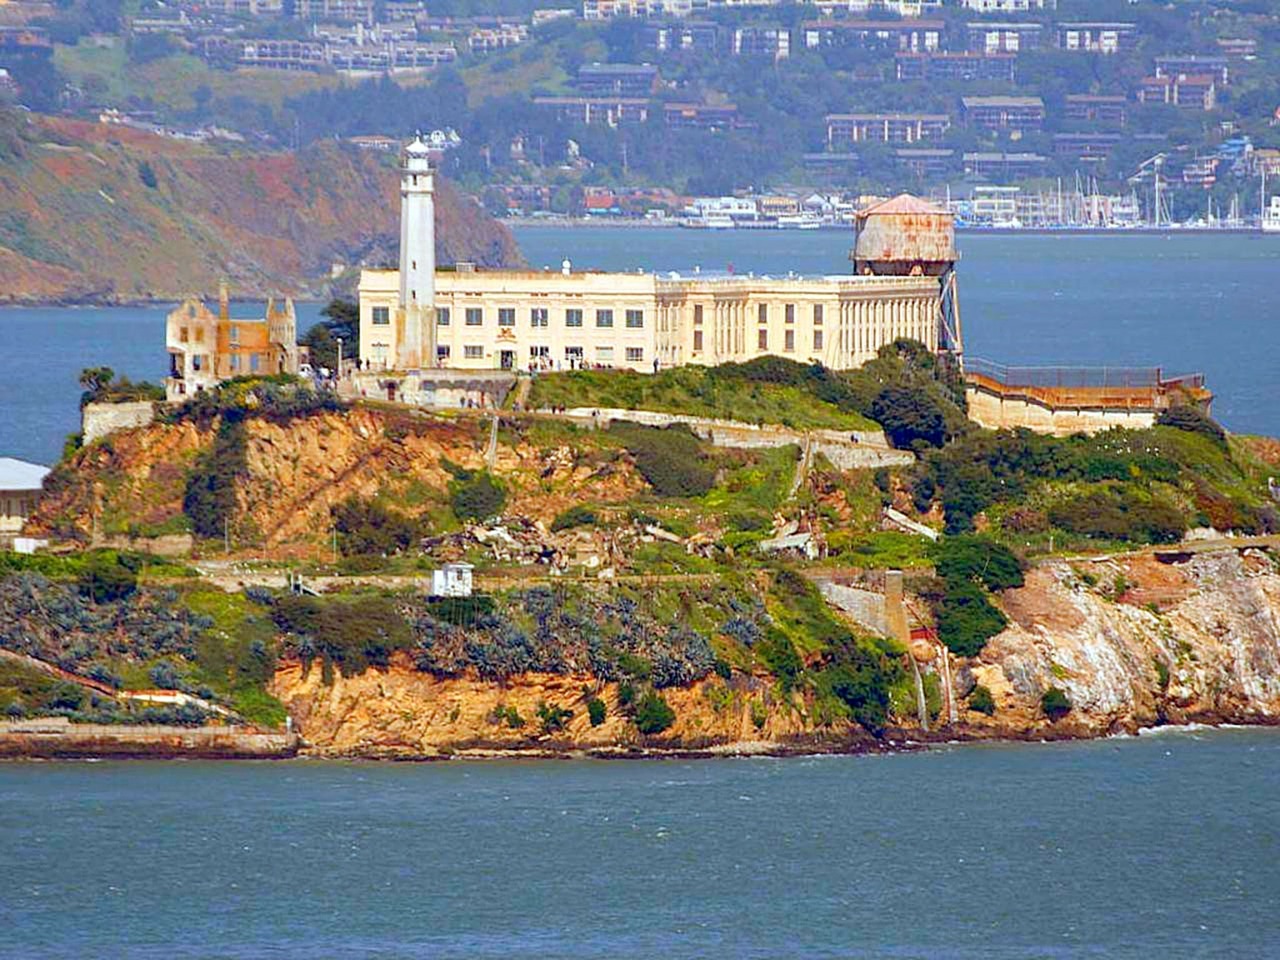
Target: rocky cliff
[(104, 213), (1197, 641)]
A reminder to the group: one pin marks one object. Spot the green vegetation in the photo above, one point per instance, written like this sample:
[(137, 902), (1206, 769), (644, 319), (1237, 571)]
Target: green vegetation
[(596, 711), (1055, 704), (578, 515), (341, 321), (210, 498), (968, 567), (982, 701), (671, 459), (350, 633), (553, 717), (101, 385), (478, 497), (653, 714), (728, 392), (369, 528)]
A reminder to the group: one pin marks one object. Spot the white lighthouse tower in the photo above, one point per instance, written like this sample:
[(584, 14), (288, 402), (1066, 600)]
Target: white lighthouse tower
[(416, 340)]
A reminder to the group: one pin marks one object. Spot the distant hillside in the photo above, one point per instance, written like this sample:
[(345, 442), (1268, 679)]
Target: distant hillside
[(97, 213)]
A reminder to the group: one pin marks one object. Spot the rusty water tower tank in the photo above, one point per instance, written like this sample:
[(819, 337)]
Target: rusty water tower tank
[(904, 236)]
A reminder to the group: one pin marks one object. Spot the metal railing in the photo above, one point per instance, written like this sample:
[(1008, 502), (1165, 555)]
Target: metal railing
[(1131, 378)]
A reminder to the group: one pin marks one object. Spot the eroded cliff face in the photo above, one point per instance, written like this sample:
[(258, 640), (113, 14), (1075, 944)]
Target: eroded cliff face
[(400, 712), (1183, 642), (1197, 641)]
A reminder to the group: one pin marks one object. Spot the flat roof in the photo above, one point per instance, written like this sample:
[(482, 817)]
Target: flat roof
[(21, 475), (1002, 101)]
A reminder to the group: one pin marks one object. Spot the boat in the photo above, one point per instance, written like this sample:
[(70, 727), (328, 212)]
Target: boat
[(1271, 216), (799, 221)]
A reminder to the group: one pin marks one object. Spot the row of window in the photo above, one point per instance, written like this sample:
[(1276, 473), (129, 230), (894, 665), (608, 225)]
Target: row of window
[(762, 313), (538, 317), (604, 354), (762, 340)]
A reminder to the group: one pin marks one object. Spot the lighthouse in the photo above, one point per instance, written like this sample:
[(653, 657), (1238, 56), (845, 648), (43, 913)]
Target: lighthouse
[(416, 314)]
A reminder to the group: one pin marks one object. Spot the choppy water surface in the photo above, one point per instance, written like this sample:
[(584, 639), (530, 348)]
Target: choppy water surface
[(1156, 846)]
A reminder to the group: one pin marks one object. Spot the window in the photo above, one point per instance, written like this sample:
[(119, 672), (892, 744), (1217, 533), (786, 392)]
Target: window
[(604, 354), (381, 315), (235, 362), (538, 352), (791, 313), (182, 335), (762, 312), (635, 354), (235, 334), (573, 318), (199, 334), (506, 316), (817, 314), (604, 318), (697, 341), (475, 316), (538, 317), (762, 338), (442, 316), (697, 314), (790, 342), (817, 340), (573, 356), (254, 360), (635, 319), (197, 362), (473, 351), (442, 352)]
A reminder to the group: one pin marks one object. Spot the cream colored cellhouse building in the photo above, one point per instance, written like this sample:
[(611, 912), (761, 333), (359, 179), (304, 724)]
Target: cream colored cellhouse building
[(419, 317)]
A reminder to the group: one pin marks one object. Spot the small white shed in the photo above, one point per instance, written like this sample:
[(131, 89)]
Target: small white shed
[(452, 580)]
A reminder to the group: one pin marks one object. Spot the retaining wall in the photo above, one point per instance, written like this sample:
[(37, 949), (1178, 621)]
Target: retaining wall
[(57, 738), (1008, 412), (97, 420)]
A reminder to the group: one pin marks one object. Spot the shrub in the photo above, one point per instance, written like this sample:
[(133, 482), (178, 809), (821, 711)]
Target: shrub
[(165, 676), (653, 714), (352, 635), (367, 527), (553, 717), (982, 701), (104, 579), (479, 497), (1118, 514), (910, 415), (967, 619), (1193, 420), (779, 655), (1055, 703), (596, 711), (981, 559), (670, 459), (210, 497), (576, 516)]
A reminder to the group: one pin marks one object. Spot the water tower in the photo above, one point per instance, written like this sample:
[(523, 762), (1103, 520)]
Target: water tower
[(909, 237)]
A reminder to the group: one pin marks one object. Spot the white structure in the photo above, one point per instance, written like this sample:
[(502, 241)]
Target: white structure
[(20, 486), (418, 319), (452, 580), (415, 316)]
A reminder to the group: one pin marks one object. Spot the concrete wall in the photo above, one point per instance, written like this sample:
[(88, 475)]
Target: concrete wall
[(57, 738), (1007, 413), (866, 607), (847, 450), (97, 420)]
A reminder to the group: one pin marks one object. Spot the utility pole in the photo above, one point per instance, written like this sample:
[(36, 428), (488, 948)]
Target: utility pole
[(338, 375)]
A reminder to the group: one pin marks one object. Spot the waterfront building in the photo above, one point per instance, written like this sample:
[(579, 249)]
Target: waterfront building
[(206, 348), (416, 319), (1097, 37), (1095, 108), (1192, 92), (963, 66), (873, 34), (1013, 38)]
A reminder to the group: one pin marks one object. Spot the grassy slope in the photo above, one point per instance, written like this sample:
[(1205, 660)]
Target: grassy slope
[(171, 81), (692, 391)]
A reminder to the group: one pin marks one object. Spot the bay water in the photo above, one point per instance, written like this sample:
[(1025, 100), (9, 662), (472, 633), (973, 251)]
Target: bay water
[(1155, 846)]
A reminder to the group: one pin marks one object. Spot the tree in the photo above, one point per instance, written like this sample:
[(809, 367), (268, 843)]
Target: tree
[(911, 416), (341, 319), (653, 714), (147, 175), (479, 497), (1055, 703)]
